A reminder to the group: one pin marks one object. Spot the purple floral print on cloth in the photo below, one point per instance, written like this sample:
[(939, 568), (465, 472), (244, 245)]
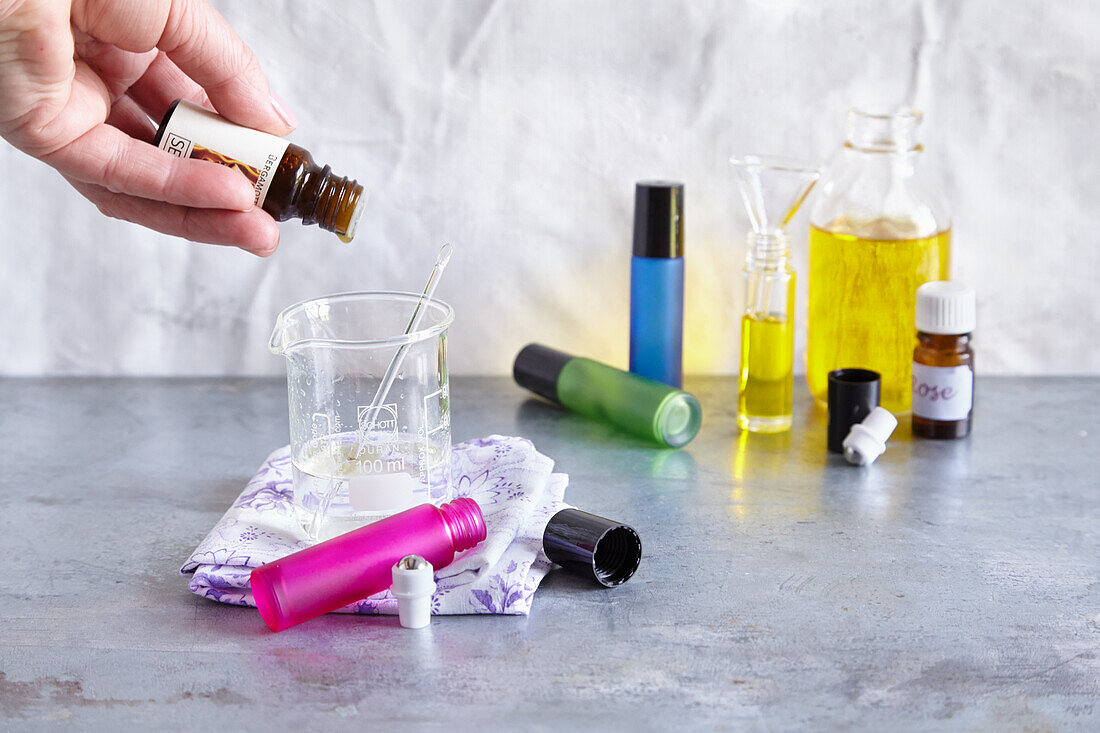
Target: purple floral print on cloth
[(511, 481)]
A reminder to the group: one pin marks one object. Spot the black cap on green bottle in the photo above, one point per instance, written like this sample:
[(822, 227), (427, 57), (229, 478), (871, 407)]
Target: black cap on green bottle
[(537, 368)]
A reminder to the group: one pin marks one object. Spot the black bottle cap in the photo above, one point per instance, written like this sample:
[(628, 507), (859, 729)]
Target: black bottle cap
[(658, 219), (853, 393), (537, 368), (593, 547)]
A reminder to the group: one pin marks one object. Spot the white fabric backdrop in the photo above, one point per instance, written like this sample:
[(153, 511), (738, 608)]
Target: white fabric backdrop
[(515, 131)]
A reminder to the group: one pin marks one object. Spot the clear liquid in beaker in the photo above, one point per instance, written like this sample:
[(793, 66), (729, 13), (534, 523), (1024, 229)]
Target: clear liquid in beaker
[(365, 478)]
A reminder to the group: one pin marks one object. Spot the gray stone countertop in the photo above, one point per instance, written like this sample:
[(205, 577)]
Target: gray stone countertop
[(950, 585)]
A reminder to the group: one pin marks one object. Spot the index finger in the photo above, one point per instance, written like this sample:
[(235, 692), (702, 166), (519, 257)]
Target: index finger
[(112, 159), (201, 43), (206, 48)]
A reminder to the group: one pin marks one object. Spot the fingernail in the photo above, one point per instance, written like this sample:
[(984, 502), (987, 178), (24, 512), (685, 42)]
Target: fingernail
[(285, 114), (245, 196), (272, 240)]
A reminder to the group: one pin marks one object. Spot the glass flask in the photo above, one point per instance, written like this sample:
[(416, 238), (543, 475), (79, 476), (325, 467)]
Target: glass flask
[(876, 234)]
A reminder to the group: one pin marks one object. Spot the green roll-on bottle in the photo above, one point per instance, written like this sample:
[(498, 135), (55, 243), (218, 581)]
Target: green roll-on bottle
[(640, 406)]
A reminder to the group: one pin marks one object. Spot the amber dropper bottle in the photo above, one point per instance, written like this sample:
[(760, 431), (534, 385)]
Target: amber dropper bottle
[(287, 182), (943, 362)]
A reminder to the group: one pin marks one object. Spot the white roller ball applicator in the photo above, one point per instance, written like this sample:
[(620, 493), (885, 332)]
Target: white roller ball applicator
[(413, 585), (866, 441)]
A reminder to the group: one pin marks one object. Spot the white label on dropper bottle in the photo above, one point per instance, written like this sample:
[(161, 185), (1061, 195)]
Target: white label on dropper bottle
[(942, 393)]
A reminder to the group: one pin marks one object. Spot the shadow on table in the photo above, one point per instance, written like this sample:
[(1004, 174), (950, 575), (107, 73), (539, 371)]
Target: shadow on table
[(543, 418), (560, 579)]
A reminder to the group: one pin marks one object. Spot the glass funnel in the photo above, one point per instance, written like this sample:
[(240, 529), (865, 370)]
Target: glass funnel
[(772, 190)]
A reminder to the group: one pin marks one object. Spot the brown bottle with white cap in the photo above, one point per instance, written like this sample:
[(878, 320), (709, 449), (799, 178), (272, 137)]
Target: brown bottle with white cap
[(943, 363)]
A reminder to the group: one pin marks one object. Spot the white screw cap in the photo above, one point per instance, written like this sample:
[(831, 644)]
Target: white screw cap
[(413, 584), (867, 440), (945, 307)]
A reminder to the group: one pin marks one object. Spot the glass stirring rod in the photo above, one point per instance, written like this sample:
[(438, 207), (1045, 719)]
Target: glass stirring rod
[(384, 387), (395, 363)]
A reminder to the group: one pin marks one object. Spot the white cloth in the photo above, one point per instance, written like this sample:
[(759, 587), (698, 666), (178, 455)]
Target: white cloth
[(511, 481)]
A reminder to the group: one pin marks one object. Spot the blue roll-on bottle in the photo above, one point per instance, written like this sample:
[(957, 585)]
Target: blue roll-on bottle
[(657, 282)]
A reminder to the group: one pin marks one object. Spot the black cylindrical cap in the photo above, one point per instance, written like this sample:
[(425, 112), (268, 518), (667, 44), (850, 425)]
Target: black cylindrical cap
[(853, 393), (593, 547), (658, 219), (537, 368)]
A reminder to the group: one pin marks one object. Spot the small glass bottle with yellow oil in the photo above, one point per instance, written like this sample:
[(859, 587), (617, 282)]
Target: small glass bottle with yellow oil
[(876, 234), (766, 378), (772, 190)]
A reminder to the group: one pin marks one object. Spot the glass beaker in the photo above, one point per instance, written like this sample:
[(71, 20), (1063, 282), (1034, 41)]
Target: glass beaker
[(876, 234), (361, 451)]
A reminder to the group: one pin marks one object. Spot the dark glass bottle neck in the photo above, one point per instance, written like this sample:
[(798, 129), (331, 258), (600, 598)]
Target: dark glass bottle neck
[(313, 193), (944, 342), (328, 200)]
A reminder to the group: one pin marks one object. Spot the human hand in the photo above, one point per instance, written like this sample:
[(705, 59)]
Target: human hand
[(79, 81)]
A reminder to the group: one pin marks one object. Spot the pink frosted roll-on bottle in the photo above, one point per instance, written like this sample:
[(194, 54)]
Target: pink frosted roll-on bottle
[(358, 564)]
